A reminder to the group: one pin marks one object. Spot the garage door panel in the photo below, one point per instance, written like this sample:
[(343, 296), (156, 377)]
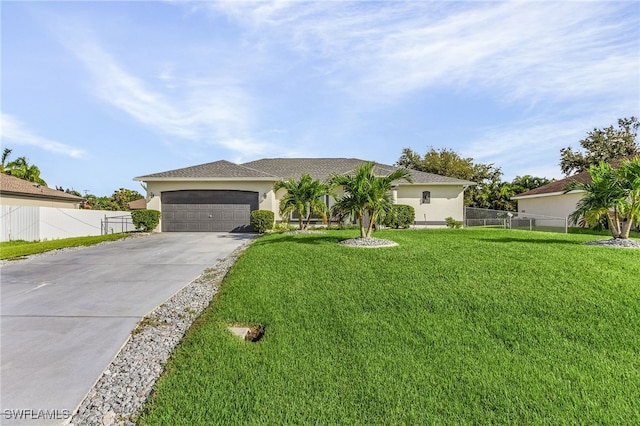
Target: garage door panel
[(210, 210)]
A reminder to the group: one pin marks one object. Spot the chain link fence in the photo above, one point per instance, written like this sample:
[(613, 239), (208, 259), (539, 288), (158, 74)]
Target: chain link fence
[(513, 220), (117, 224)]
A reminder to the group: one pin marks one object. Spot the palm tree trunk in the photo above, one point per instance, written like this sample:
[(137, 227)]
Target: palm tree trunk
[(300, 220), (626, 229), (361, 222), (372, 218), (614, 224), (306, 226)]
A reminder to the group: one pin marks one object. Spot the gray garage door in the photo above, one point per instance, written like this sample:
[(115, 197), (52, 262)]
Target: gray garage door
[(207, 210)]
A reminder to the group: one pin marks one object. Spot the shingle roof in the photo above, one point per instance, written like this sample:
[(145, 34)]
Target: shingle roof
[(285, 168), (138, 204), (560, 185), (556, 186), (217, 169), (14, 186)]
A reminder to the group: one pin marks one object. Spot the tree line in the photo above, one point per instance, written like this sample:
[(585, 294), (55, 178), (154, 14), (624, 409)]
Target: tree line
[(22, 169), (491, 192), (600, 145)]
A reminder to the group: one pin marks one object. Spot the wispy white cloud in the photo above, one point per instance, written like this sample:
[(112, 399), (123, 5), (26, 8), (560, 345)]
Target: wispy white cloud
[(533, 146), (212, 111), (523, 50), (16, 132)]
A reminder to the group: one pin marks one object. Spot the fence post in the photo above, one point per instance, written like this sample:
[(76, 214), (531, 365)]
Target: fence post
[(530, 224), (566, 224)]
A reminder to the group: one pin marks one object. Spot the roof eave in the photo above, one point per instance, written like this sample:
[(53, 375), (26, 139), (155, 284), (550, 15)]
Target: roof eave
[(40, 196), (204, 179), (548, 194)]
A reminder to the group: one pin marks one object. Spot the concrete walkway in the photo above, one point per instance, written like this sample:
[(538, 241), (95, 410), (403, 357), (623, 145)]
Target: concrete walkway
[(65, 316)]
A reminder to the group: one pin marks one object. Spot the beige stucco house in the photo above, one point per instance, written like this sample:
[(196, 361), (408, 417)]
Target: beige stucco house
[(19, 192), (551, 199), (220, 196)]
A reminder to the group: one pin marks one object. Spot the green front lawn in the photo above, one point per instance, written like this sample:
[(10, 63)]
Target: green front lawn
[(19, 248), (472, 326)]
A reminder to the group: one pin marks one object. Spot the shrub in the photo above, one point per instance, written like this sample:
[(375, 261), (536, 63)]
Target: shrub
[(400, 216), (262, 220), (452, 223), (284, 227), (145, 220)]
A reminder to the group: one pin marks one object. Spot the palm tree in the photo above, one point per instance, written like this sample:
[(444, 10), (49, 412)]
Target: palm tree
[(5, 155), (303, 196), (629, 205), (21, 169), (316, 194), (603, 198), (366, 193)]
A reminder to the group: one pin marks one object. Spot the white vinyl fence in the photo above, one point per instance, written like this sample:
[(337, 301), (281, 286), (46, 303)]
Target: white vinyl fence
[(49, 223)]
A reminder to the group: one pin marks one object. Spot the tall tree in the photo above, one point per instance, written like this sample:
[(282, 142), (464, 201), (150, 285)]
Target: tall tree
[(366, 193), (101, 203), (502, 197), (606, 144), (303, 196), (449, 163), (123, 196)]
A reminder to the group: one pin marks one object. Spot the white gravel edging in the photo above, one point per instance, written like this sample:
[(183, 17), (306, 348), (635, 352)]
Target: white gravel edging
[(617, 242), (368, 242), (122, 390)]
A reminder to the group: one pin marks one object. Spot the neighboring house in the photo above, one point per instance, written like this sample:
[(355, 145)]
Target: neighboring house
[(138, 204), (219, 196), (19, 192), (551, 200)]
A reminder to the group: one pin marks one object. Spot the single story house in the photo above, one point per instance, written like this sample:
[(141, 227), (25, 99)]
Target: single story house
[(220, 196), (551, 199), (19, 192), (140, 204)]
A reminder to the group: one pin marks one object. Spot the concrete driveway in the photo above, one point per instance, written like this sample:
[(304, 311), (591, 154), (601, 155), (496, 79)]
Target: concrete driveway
[(65, 316)]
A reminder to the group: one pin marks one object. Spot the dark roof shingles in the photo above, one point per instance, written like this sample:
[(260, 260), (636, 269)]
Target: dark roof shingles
[(560, 185), (217, 169), (286, 168), (323, 168)]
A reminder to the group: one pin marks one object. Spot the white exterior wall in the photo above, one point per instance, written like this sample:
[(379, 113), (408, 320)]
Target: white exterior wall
[(446, 201), (10, 200), (561, 205), (48, 223)]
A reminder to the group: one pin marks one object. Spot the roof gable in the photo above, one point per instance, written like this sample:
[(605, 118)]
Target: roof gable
[(560, 185), (290, 168), (216, 169), (556, 186), (15, 186)]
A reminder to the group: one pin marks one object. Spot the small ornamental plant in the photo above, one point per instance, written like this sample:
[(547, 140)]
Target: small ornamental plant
[(145, 220), (262, 220)]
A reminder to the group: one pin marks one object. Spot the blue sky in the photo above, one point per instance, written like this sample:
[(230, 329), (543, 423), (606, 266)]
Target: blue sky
[(96, 93)]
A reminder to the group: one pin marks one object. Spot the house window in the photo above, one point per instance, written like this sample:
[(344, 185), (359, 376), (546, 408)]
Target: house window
[(426, 197)]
